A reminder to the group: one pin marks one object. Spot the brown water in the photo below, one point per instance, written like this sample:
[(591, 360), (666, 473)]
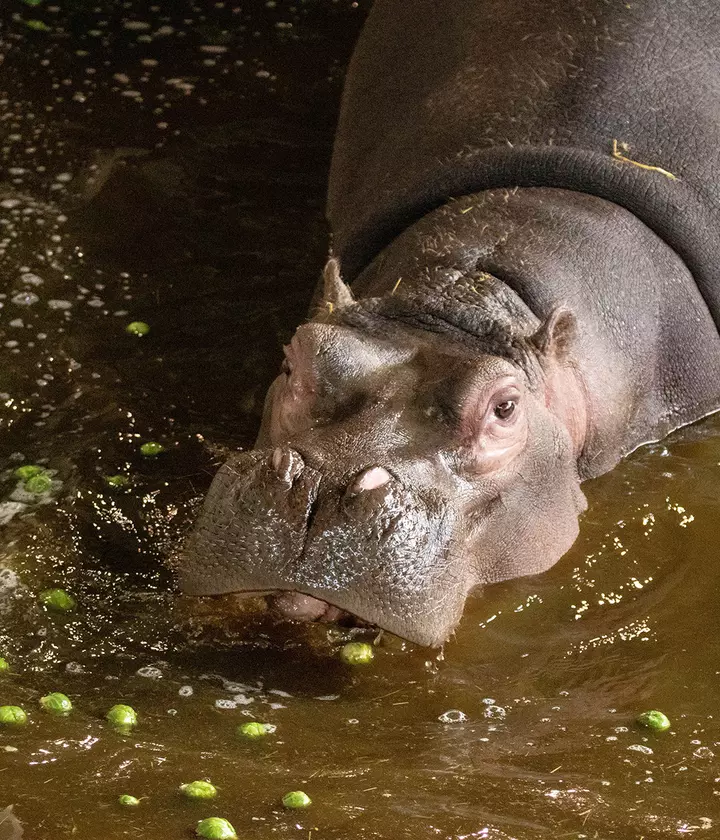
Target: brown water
[(166, 162)]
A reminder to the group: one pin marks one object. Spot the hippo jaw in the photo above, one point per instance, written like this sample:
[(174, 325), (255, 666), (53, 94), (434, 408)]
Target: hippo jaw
[(373, 550)]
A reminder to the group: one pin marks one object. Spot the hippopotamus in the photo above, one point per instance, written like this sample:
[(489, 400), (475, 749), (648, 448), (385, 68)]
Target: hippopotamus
[(524, 287)]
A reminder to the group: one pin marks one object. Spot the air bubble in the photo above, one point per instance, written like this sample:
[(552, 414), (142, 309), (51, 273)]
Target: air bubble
[(452, 716)]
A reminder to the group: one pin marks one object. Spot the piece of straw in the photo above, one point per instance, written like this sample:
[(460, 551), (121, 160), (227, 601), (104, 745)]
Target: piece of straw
[(618, 155)]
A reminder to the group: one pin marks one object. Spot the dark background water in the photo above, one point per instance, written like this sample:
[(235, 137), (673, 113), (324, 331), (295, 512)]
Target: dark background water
[(166, 162)]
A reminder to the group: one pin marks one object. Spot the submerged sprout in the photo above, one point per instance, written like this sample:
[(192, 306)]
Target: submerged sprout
[(128, 801), (117, 480), (57, 599), (38, 484), (357, 653), (199, 790), (122, 716), (296, 799), (35, 479), (4, 665), (253, 729), (138, 328), (12, 716), (56, 703), (152, 448), (654, 720), (28, 471), (215, 828)]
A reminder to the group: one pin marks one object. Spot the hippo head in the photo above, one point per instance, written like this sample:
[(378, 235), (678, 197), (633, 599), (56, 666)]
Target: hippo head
[(412, 449)]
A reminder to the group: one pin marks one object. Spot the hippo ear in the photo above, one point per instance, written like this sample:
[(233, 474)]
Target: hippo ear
[(336, 294), (556, 334)]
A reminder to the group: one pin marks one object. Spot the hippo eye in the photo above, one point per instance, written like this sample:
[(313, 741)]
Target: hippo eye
[(285, 367), (505, 409)]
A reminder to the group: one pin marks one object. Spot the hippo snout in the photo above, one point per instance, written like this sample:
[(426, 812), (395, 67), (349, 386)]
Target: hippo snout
[(322, 547)]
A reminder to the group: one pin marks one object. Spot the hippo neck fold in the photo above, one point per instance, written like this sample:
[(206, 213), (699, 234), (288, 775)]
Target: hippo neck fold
[(475, 310)]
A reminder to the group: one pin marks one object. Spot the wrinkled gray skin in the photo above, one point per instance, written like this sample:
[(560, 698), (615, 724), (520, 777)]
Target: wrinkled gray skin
[(525, 310)]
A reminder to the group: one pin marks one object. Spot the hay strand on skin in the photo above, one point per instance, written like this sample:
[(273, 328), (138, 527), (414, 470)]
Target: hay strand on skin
[(618, 155)]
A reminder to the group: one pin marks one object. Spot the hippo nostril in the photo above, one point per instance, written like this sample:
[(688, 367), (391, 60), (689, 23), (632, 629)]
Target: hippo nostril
[(287, 464), (370, 494), (370, 479)]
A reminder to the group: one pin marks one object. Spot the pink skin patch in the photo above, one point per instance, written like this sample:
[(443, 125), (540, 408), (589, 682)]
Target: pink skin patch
[(371, 479), (301, 607)]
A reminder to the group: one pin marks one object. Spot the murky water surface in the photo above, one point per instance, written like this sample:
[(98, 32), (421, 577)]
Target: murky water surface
[(166, 163)]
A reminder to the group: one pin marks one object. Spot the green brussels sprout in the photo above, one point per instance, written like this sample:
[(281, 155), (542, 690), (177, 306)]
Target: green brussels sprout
[(122, 716), (4, 665), (38, 25), (199, 790), (151, 448), (56, 703), (38, 484), (357, 653), (137, 328), (57, 599), (12, 716), (296, 799), (117, 480), (654, 720), (128, 801), (28, 471), (215, 828), (253, 729)]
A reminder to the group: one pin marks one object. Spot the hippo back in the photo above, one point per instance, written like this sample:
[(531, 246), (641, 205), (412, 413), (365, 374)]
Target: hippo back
[(449, 98)]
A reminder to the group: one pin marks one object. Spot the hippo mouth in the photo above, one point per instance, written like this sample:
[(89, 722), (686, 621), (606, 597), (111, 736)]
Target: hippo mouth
[(290, 606), (297, 606)]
